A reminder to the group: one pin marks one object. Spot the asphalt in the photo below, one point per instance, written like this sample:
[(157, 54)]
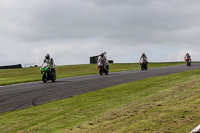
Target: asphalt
[(20, 96)]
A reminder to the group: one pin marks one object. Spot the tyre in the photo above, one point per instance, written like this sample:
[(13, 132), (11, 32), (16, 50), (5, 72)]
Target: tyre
[(100, 71), (106, 72), (145, 67), (142, 67), (54, 78), (189, 62), (44, 78)]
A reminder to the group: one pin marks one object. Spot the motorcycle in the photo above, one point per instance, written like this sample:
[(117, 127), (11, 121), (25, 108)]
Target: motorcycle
[(48, 73), (143, 64), (188, 61), (101, 67)]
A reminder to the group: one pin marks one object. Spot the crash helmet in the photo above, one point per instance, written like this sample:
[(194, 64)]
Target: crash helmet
[(102, 54), (47, 56), (143, 54)]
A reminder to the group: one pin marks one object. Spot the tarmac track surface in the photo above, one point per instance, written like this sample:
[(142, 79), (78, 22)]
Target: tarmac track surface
[(13, 97)]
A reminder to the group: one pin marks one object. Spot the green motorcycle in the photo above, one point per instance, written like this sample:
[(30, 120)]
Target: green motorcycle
[(48, 73)]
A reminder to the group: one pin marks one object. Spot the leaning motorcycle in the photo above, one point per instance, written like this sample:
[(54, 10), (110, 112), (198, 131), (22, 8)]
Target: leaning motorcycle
[(101, 67), (143, 64), (188, 61), (48, 73)]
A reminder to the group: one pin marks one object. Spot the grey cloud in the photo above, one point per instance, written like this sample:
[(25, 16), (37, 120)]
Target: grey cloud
[(112, 24), (121, 3), (140, 21)]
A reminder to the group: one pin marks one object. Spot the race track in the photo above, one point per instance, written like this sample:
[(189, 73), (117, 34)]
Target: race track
[(20, 96)]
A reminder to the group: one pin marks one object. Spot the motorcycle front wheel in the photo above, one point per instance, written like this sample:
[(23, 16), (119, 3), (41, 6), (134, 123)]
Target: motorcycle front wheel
[(44, 78), (189, 63), (100, 71)]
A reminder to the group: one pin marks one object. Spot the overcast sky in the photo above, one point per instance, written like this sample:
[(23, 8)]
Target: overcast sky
[(73, 30)]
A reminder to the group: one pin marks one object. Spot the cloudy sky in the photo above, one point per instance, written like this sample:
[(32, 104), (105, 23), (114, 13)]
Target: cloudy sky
[(73, 30)]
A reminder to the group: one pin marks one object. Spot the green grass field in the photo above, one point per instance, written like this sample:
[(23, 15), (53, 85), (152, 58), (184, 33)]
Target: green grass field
[(161, 104), (14, 76)]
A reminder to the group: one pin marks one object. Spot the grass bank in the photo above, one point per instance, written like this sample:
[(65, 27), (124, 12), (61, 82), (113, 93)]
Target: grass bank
[(14, 76), (161, 104)]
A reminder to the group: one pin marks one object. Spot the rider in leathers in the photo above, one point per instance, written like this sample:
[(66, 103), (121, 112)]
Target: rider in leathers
[(144, 57), (187, 56), (49, 61), (103, 57)]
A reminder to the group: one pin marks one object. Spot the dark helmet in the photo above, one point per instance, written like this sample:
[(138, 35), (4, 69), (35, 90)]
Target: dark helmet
[(143, 54), (101, 54), (47, 56)]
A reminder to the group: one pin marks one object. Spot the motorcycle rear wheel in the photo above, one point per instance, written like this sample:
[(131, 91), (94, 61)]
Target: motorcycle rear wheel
[(142, 67), (146, 67), (53, 78), (106, 72)]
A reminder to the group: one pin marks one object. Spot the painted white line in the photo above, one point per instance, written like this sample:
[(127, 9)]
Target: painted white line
[(196, 130)]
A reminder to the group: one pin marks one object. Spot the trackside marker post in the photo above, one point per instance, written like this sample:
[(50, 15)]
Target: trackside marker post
[(196, 130)]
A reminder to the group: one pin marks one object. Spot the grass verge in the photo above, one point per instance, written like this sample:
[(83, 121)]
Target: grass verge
[(14, 76), (161, 104)]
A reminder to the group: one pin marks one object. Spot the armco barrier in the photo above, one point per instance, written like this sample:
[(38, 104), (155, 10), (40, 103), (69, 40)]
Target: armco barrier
[(11, 66)]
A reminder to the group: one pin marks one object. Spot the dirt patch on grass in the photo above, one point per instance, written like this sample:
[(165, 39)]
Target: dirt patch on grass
[(189, 84), (172, 110)]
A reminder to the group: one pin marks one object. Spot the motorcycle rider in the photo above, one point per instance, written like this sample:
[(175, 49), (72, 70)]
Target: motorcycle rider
[(144, 57), (103, 58), (187, 56), (188, 59), (49, 61)]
